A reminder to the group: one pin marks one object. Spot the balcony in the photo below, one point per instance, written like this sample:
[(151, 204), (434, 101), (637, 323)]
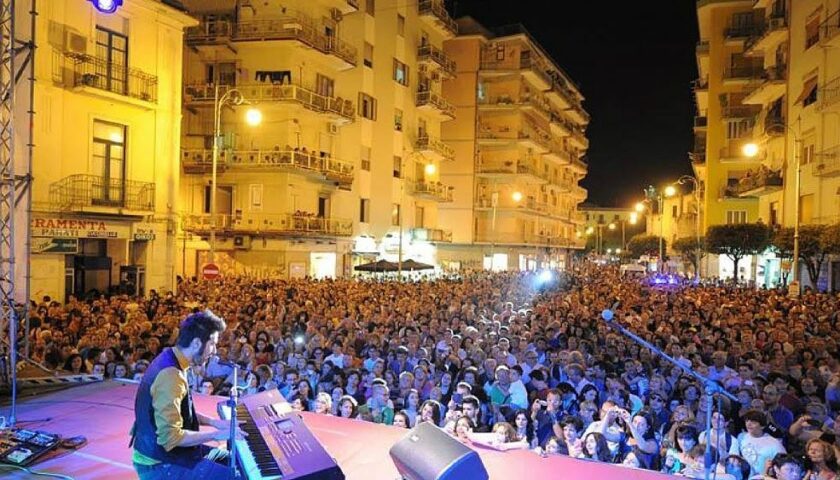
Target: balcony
[(828, 163), (761, 181), (579, 140), (828, 96), (211, 36), (702, 48), (698, 157), (435, 105), (529, 66), (579, 166), (100, 77), (321, 167), (525, 168), (732, 151), (742, 73), (434, 13), (434, 148), (578, 114), (431, 235), (529, 136), (741, 33), (559, 154), (435, 58), (563, 96), (335, 108), (533, 104), (772, 86), (700, 123), (83, 193), (701, 93), (343, 6), (293, 26), (768, 38), (740, 111), (268, 224), (830, 29), (435, 191)]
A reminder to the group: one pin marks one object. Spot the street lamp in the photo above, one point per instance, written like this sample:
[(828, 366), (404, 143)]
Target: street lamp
[(651, 194), (494, 200), (751, 150), (253, 117), (682, 181)]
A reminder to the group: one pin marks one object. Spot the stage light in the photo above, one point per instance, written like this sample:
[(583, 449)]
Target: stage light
[(546, 276), (106, 6)]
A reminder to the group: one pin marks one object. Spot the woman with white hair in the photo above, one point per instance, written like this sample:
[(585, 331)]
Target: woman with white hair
[(323, 403)]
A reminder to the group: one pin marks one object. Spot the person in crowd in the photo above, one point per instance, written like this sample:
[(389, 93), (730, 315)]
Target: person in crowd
[(595, 448), (754, 444), (820, 461), (348, 407), (402, 420)]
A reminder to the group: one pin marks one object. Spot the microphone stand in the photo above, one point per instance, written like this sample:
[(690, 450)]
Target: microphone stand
[(233, 401), (712, 388)]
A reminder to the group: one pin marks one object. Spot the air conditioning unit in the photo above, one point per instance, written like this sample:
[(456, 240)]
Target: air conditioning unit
[(332, 128), (242, 242), (336, 14), (75, 43)]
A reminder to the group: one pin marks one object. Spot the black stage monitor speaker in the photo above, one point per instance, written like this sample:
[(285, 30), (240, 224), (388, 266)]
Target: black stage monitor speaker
[(428, 453)]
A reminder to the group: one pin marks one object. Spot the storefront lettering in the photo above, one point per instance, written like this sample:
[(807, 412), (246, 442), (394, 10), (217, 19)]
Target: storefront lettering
[(74, 228)]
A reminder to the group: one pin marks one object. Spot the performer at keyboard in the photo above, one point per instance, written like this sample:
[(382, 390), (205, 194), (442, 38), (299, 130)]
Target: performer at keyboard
[(166, 438)]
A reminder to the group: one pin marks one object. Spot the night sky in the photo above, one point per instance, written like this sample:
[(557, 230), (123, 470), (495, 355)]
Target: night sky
[(634, 62)]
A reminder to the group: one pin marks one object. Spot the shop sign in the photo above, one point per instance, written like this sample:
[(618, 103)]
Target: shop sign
[(77, 228), (55, 245), (144, 233)]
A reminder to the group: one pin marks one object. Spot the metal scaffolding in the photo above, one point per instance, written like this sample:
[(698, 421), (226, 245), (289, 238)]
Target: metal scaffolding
[(16, 59)]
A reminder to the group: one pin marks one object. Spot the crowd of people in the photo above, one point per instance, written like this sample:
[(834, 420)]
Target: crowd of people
[(508, 361)]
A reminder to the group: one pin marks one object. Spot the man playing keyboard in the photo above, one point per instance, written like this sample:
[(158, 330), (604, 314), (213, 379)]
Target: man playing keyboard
[(166, 437)]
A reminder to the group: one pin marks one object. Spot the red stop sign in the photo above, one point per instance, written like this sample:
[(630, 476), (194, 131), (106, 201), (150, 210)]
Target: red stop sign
[(210, 271)]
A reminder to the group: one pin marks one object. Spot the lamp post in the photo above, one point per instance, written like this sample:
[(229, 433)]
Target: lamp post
[(752, 150), (651, 195), (253, 117), (683, 180)]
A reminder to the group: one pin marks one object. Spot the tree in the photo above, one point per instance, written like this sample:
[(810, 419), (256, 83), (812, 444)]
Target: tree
[(830, 239), (781, 241), (811, 252), (737, 241), (691, 250), (644, 245)]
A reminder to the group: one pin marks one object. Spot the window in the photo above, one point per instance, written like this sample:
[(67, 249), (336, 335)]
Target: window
[(370, 7), (400, 72), (364, 210), (810, 94), (398, 119), (806, 208), (774, 213), (808, 148), (500, 52), (736, 216), (397, 166), (324, 86), (419, 216), (600, 218), (108, 163), (395, 215), (400, 25), (738, 128), (367, 106), (256, 193), (111, 69), (812, 32), (674, 211), (365, 156), (368, 60)]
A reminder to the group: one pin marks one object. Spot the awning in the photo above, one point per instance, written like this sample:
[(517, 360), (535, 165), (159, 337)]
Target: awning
[(204, 7), (807, 89)]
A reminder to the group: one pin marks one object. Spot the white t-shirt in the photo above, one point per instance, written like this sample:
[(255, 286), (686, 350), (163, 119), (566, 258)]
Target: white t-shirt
[(757, 450)]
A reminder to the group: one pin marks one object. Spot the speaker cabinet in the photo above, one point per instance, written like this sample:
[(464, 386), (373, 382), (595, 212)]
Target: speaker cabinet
[(428, 453)]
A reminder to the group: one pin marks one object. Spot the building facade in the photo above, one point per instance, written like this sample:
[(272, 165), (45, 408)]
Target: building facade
[(519, 138), (617, 226), (107, 103), (769, 75), (346, 165)]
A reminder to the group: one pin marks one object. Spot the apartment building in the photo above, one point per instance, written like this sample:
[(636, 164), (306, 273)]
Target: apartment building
[(768, 76), (519, 138), (346, 165), (613, 226), (107, 103)]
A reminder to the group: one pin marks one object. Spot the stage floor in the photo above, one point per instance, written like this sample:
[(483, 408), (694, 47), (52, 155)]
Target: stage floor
[(103, 412)]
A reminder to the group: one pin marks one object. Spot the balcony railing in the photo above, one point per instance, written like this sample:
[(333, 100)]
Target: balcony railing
[(292, 26), (536, 66), (760, 179), (743, 72), (830, 27), (332, 168), (539, 103), (434, 190), (426, 143), (281, 224), (702, 48), (94, 72), (523, 166), (742, 31), (436, 9), (828, 162), (828, 94), (427, 98), (700, 122), (740, 111), (82, 192), (309, 99), (431, 53), (435, 235)]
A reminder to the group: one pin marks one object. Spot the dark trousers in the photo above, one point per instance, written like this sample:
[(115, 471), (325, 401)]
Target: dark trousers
[(212, 467)]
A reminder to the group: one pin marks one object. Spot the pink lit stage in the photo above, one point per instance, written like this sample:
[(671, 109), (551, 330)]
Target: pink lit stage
[(103, 413)]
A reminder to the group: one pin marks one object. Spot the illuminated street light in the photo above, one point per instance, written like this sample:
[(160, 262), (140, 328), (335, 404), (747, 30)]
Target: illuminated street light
[(609, 251), (589, 230), (618, 251), (640, 207), (517, 197), (253, 117), (750, 150), (670, 191), (430, 169), (634, 218), (611, 226)]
